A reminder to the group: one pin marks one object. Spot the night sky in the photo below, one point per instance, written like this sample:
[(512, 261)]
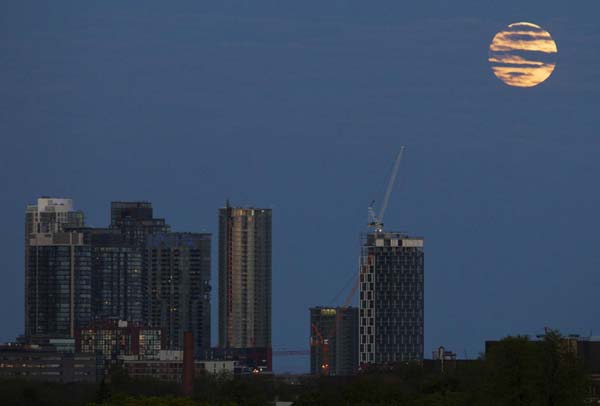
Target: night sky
[(301, 106)]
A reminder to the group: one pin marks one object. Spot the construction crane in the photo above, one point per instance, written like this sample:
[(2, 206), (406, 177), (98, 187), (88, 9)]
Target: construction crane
[(317, 340), (323, 341), (376, 220)]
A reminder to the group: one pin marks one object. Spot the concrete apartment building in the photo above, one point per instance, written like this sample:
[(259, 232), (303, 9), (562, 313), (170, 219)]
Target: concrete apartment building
[(51, 215), (391, 299)]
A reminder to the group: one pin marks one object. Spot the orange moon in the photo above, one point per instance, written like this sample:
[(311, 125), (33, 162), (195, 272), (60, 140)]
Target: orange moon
[(523, 55)]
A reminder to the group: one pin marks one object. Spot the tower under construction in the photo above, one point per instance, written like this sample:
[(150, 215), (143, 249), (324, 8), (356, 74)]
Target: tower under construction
[(391, 301), (334, 340)]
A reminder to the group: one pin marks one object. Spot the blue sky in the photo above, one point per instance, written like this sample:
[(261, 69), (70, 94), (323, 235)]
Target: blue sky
[(301, 107)]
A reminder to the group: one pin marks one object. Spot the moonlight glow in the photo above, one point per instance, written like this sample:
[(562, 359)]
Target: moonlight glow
[(523, 55)]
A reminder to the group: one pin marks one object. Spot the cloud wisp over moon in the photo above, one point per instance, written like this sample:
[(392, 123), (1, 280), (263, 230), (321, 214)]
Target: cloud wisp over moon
[(523, 55)]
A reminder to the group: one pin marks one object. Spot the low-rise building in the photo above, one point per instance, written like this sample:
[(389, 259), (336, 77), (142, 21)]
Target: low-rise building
[(256, 360), (45, 363), (112, 339), (169, 367)]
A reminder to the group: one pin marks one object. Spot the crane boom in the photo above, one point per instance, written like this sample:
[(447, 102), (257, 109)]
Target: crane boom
[(376, 221), (390, 186)]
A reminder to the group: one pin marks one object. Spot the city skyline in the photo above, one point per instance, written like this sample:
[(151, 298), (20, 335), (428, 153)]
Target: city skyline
[(137, 271), (299, 108)]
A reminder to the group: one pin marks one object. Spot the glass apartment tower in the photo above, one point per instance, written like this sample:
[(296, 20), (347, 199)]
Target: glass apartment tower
[(244, 277), (58, 284), (116, 276), (178, 287), (391, 300), (48, 216), (135, 221)]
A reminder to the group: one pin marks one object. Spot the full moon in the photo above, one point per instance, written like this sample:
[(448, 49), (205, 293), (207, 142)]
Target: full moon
[(523, 55)]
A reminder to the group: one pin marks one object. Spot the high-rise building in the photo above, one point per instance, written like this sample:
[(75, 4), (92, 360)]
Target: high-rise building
[(58, 281), (136, 221), (117, 288), (244, 277), (334, 340), (178, 287), (50, 215), (391, 298)]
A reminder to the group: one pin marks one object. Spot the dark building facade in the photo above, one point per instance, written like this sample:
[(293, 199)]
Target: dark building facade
[(58, 284), (49, 215), (244, 277), (391, 298), (172, 369), (257, 359), (178, 287), (588, 350), (46, 364), (337, 329), (117, 282), (135, 221)]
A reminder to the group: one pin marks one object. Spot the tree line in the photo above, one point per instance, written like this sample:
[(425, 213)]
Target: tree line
[(515, 372)]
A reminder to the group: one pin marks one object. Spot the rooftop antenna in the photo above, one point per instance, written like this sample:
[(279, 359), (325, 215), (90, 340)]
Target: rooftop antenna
[(376, 220)]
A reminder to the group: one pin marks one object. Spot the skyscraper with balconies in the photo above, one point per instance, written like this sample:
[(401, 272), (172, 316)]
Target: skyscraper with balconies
[(244, 277)]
